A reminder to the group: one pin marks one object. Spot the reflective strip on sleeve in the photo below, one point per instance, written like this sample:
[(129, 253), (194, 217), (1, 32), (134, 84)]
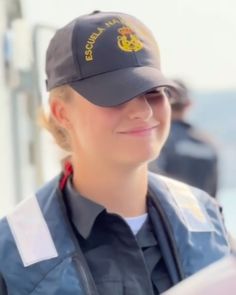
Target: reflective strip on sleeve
[(31, 233)]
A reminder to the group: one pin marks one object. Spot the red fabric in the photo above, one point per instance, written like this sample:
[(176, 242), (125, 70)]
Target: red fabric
[(68, 170)]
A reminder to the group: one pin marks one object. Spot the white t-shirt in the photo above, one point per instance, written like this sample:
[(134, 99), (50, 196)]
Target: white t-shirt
[(135, 223)]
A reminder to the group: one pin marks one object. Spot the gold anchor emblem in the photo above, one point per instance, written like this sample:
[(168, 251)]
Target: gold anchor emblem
[(128, 41)]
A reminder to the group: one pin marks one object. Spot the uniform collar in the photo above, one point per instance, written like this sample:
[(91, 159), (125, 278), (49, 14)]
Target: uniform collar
[(83, 211)]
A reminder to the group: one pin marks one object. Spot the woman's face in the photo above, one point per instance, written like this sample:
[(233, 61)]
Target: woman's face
[(129, 134)]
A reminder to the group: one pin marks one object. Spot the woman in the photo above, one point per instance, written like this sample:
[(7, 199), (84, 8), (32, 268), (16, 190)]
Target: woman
[(105, 225)]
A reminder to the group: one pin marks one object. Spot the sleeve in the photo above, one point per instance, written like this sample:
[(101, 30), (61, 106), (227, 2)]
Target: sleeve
[(3, 288)]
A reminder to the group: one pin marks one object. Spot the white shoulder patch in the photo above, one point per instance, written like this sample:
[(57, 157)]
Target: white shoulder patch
[(195, 216), (31, 233)]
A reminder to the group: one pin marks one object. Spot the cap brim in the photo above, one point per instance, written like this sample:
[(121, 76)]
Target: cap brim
[(114, 88)]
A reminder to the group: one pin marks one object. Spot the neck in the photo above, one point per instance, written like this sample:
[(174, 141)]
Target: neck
[(121, 192)]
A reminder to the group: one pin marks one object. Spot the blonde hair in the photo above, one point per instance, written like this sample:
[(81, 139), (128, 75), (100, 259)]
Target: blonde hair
[(47, 121)]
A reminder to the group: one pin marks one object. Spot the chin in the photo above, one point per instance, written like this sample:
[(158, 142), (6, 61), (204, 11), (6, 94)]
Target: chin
[(138, 154), (154, 155), (142, 157)]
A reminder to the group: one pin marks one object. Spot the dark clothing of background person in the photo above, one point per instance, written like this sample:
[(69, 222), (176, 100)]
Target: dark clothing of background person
[(189, 156)]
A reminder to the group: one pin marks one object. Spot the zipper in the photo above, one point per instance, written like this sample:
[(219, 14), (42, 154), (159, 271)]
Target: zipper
[(87, 280)]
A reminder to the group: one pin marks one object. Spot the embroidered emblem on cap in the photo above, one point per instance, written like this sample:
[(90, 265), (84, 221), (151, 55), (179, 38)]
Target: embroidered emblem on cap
[(128, 41)]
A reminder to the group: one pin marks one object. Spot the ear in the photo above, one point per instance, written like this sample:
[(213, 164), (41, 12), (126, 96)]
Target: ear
[(59, 111)]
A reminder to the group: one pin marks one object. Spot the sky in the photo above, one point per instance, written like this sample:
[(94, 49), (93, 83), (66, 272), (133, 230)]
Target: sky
[(197, 38)]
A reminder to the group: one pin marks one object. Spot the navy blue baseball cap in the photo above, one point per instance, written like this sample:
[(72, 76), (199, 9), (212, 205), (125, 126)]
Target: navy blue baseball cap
[(107, 57)]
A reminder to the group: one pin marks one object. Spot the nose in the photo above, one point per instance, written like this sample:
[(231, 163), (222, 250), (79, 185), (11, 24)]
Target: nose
[(139, 108)]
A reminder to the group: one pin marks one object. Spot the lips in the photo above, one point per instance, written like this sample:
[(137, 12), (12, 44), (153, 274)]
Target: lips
[(140, 129)]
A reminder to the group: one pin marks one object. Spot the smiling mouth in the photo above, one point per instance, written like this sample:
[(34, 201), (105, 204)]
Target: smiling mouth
[(140, 131)]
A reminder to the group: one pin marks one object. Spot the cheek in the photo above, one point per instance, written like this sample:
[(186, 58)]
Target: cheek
[(94, 127), (167, 111), (162, 111), (107, 119)]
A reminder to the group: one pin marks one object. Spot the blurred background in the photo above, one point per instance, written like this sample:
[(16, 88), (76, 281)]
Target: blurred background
[(197, 41)]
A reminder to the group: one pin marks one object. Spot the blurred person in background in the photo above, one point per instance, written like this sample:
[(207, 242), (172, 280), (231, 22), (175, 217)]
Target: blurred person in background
[(189, 154), (106, 225)]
